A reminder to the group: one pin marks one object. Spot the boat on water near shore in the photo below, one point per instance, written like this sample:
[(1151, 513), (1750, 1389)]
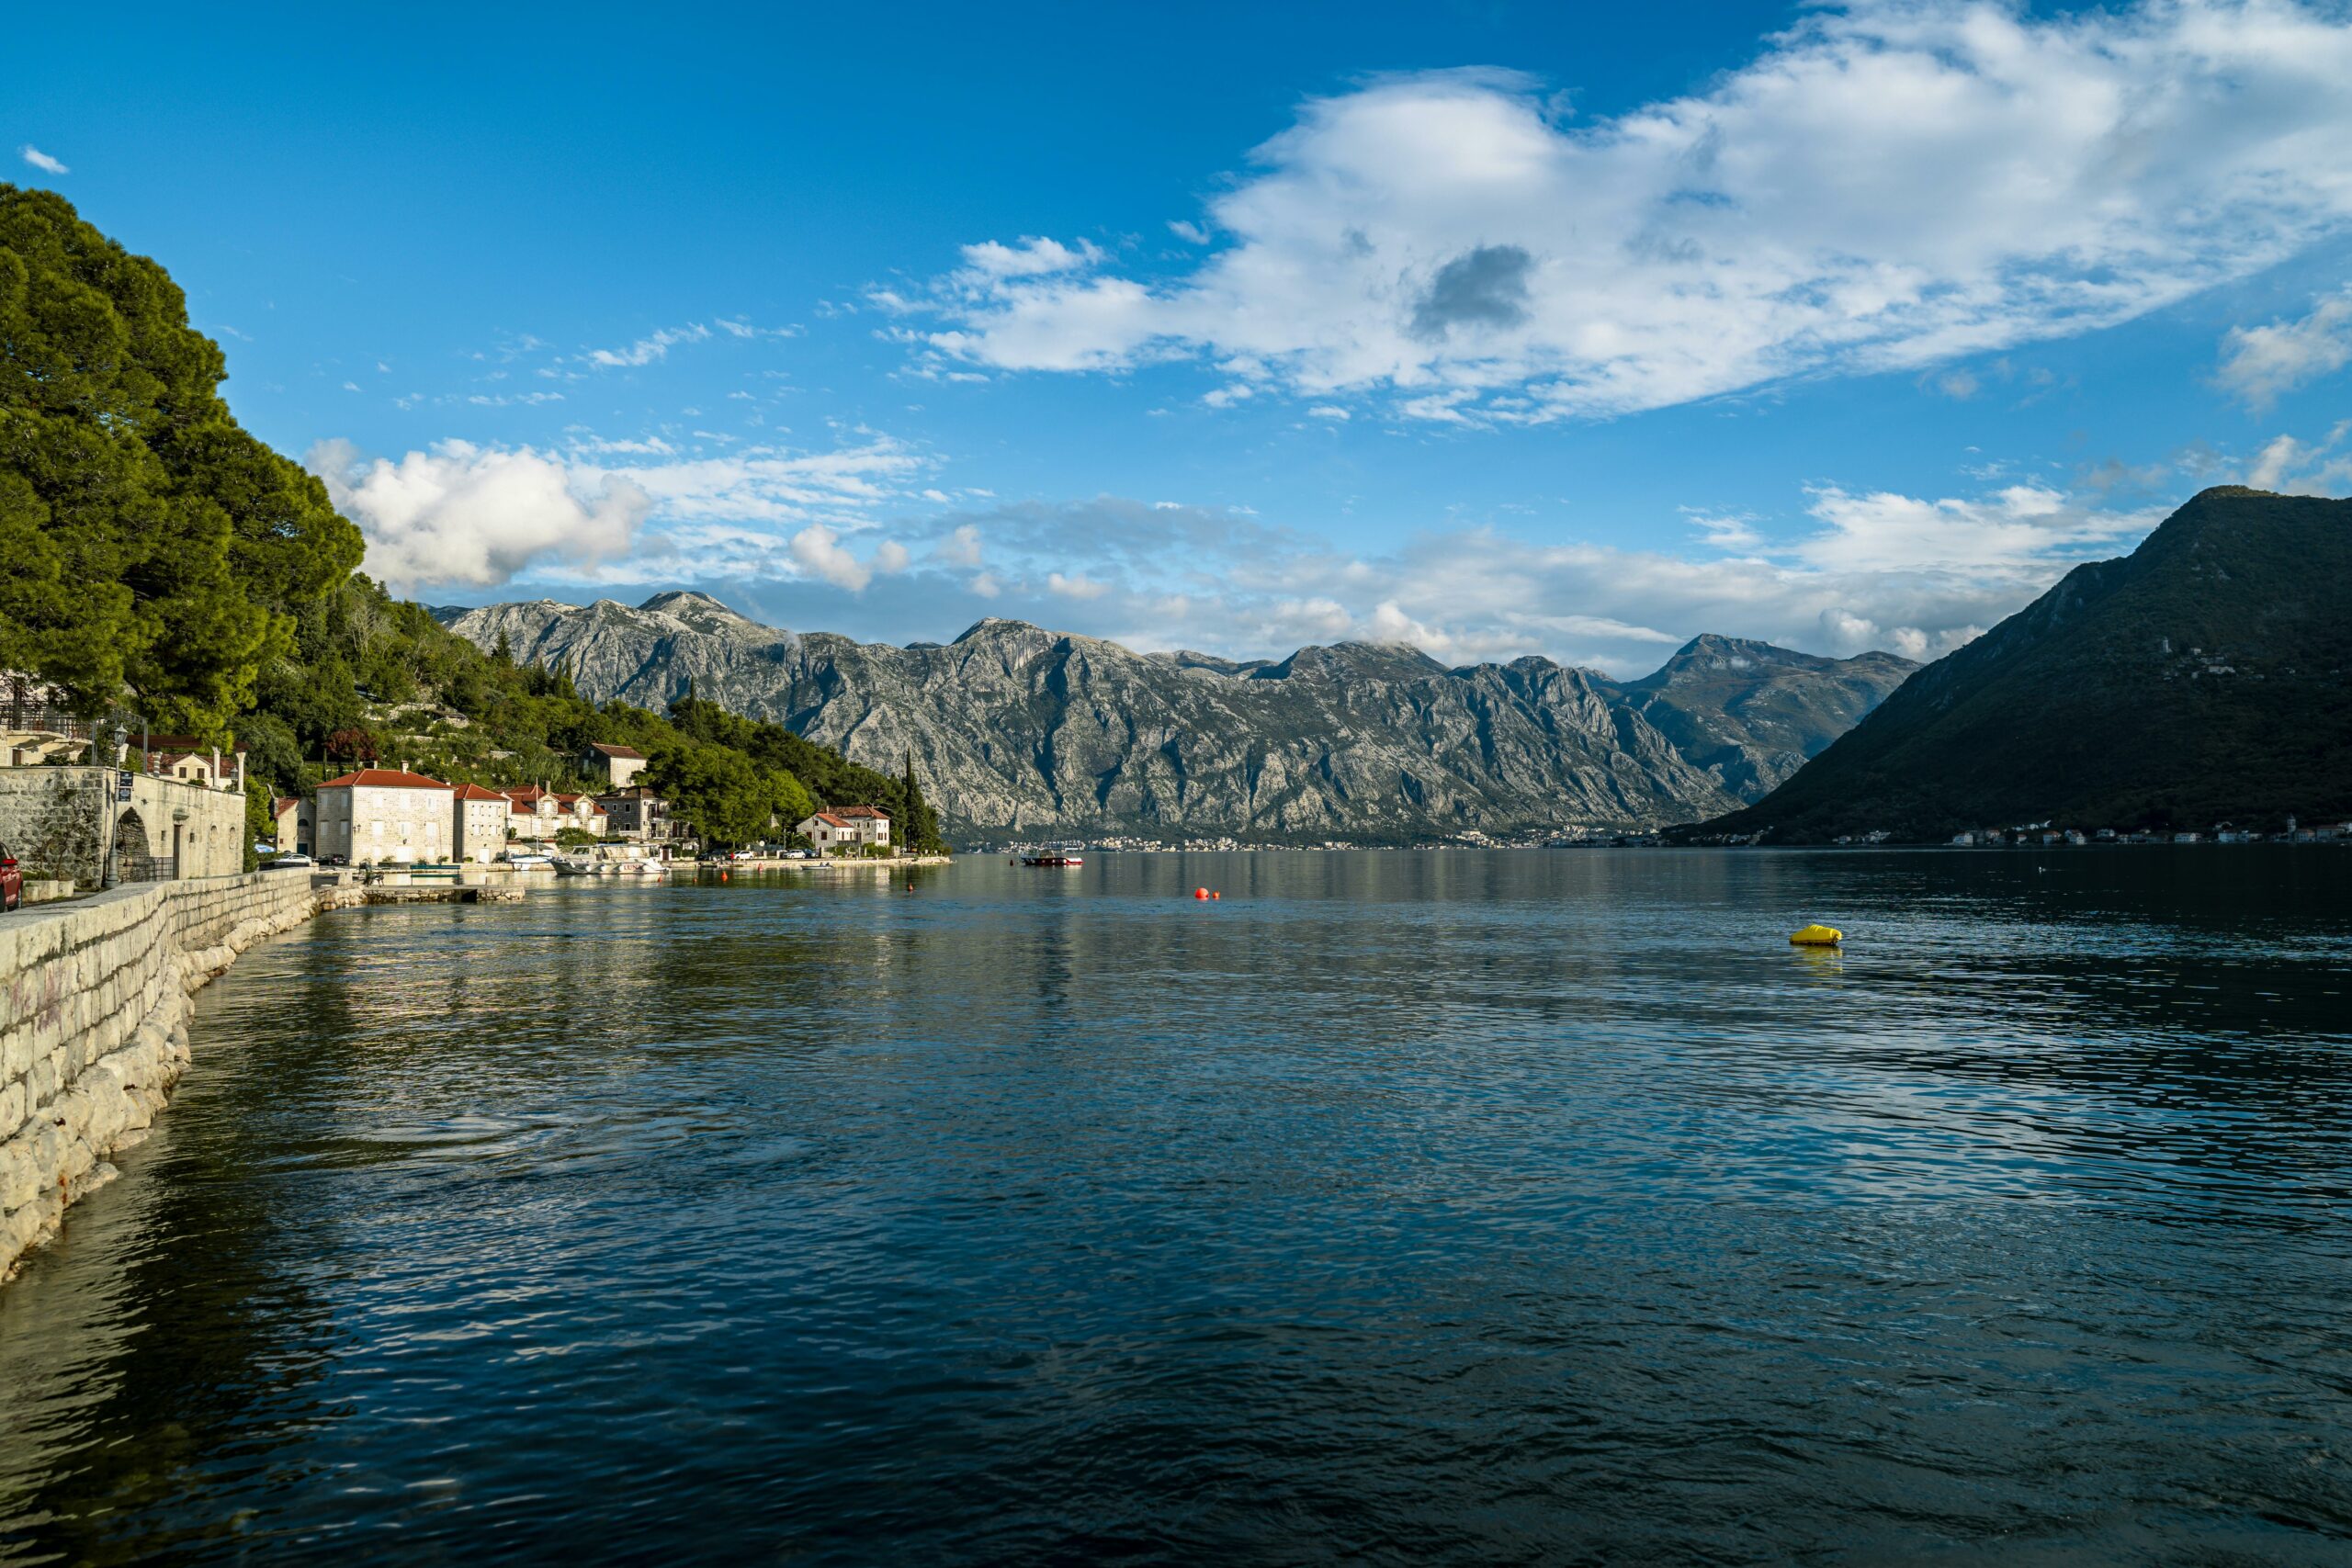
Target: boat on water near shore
[(1056, 855), (531, 862)]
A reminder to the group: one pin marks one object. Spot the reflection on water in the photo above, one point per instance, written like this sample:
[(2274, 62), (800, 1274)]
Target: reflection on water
[(1513, 1206)]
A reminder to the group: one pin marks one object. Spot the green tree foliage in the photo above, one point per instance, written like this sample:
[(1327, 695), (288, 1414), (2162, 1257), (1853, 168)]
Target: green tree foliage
[(151, 550), (830, 778), (261, 819), (919, 829), (154, 554), (727, 796)]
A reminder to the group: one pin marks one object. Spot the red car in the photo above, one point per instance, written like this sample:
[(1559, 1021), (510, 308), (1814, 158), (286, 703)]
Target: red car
[(12, 881)]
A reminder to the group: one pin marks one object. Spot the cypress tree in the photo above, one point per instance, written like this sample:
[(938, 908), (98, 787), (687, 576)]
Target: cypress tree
[(922, 833)]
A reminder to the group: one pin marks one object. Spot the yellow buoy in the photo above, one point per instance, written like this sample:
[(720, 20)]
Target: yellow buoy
[(1818, 936)]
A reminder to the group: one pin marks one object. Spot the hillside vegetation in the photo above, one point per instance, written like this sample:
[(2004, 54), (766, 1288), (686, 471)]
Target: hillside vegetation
[(157, 558), (2207, 677)]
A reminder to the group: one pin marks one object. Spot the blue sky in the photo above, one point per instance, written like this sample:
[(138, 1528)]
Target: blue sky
[(1499, 329)]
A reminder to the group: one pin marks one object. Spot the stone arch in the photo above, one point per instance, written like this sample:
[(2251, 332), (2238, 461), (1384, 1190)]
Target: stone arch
[(133, 850)]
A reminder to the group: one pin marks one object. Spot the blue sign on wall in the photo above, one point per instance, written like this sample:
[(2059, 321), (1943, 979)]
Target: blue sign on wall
[(122, 785)]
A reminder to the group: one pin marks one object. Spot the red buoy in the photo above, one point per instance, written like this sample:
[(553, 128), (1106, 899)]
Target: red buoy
[(1200, 891), (1216, 895)]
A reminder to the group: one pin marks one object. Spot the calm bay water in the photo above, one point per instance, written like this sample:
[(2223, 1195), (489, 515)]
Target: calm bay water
[(1508, 1207)]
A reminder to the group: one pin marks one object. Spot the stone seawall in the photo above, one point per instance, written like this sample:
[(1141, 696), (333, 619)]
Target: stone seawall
[(95, 1030)]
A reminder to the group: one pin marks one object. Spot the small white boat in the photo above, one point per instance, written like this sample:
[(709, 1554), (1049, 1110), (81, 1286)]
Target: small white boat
[(531, 862)]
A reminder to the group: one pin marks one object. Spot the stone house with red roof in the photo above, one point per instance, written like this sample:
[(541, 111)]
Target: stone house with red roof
[(479, 821), (386, 817), (850, 828)]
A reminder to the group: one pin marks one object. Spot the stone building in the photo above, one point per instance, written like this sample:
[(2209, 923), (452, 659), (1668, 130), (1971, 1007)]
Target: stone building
[(620, 765), (99, 827), (386, 817), (531, 815), (845, 828), (583, 812), (481, 823), (635, 815), (296, 824)]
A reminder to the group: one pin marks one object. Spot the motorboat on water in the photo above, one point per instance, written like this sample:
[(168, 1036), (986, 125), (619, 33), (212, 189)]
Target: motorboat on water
[(1056, 855)]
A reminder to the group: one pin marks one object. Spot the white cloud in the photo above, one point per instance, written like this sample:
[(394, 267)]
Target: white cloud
[(1918, 575), (2260, 363), (41, 161), (1725, 531), (1959, 385), (646, 350), (646, 447), (2022, 526), (961, 548), (1889, 185), (620, 509), (771, 485), (2302, 468), (1191, 233), (1332, 412), (1033, 257), (817, 550), (462, 513)]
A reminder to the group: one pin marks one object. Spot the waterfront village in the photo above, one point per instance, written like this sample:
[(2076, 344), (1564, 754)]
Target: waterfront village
[(390, 816), (85, 811), (82, 809)]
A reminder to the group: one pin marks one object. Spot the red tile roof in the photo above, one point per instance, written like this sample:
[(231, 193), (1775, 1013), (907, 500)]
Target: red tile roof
[(384, 778), (625, 753), (861, 811), (529, 794), (475, 792), (280, 805), (829, 818)]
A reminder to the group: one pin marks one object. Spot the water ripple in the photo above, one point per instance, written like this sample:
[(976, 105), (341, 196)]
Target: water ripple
[(1508, 1208)]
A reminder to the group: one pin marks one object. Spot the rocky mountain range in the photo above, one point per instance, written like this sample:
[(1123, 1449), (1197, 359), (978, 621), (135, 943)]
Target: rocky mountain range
[(2205, 677), (1020, 732)]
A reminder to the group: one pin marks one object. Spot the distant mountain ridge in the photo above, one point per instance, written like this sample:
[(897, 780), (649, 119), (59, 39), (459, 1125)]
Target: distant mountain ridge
[(1752, 713), (2205, 677), (1021, 731)]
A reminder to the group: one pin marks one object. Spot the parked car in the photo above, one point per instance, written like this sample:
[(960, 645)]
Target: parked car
[(283, 861), (12, 881), (338, 860)]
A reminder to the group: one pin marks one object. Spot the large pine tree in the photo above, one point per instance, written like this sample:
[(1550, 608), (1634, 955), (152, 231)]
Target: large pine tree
[(151, 552)]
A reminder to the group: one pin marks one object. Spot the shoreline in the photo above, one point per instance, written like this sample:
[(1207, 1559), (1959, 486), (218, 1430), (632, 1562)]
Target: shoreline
[(98, 1003)]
